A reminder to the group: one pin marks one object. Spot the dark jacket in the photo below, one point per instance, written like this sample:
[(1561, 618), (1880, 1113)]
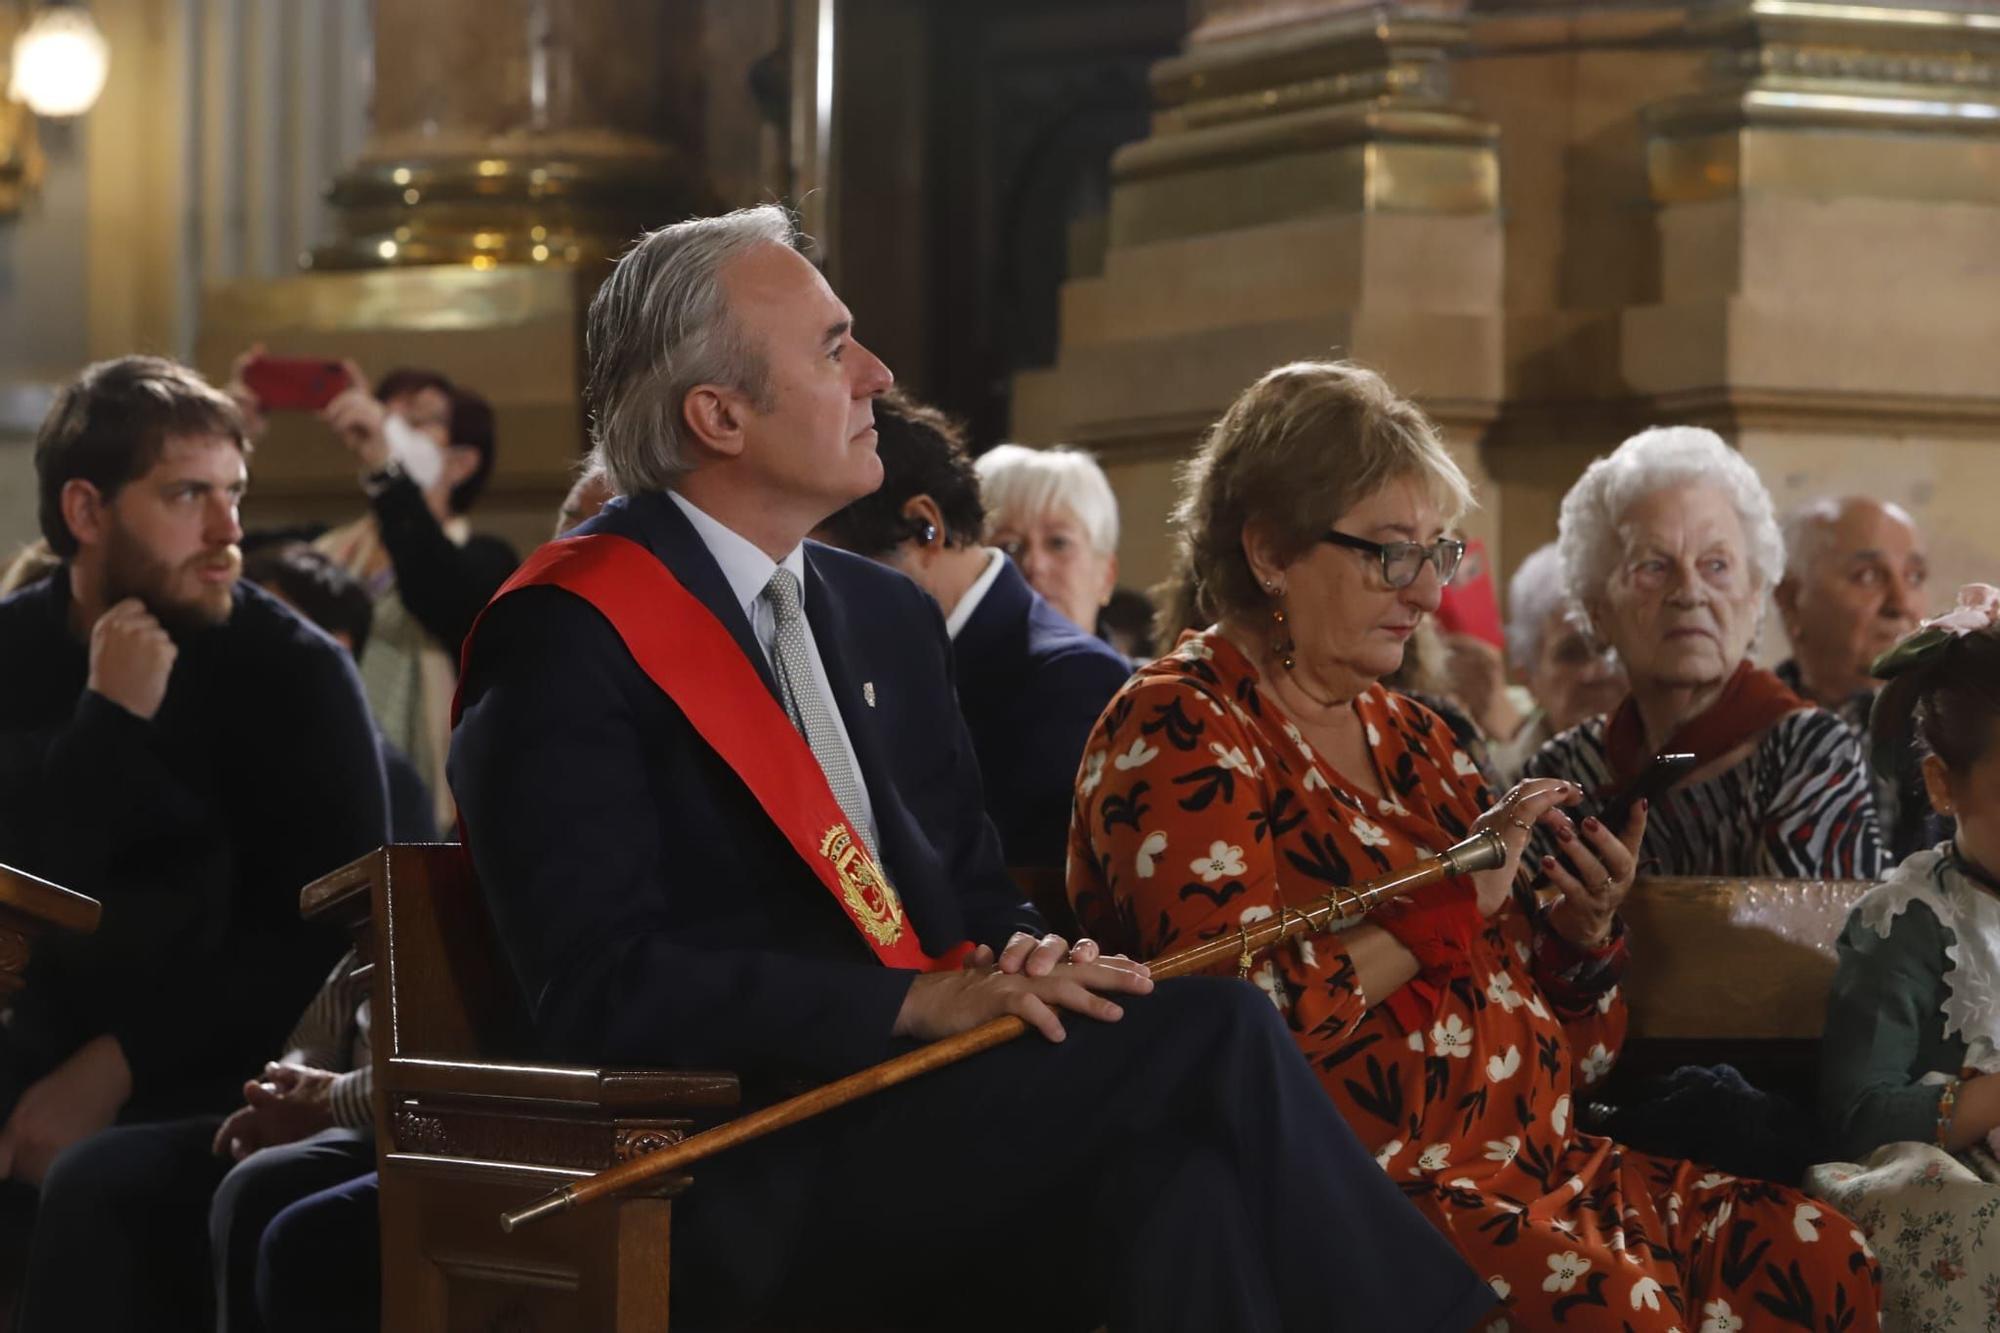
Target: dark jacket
[(443, 584), (1032, 685), (196, 830), (652, 912)]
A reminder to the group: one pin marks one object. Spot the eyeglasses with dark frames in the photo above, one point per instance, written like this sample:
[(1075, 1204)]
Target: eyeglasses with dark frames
[(1403, 561)]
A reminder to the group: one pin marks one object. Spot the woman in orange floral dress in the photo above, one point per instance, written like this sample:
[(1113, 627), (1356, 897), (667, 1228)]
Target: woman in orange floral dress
[(1260, 765)]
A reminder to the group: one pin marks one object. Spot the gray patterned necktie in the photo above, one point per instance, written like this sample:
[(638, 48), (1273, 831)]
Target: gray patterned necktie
[(808, 709)]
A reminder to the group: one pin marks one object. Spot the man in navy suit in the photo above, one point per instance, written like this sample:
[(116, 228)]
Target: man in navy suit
[(719, 793), (1030, 683)]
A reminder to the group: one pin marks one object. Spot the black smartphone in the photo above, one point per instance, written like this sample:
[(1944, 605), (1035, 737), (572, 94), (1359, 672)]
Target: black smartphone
[(1662, 773)]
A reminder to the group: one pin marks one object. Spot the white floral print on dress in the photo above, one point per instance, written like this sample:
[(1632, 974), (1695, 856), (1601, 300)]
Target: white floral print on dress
[(1222, 861), (1717, 1317), (1451, 1037), (1149, 851), (1138, 756), (1232, 757), (1371, 835), (1564, 1270)]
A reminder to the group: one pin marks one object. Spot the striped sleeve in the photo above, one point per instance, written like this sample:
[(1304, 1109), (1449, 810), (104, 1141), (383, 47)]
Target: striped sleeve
[(351, 1099), (322, 1038), (1818, 801)]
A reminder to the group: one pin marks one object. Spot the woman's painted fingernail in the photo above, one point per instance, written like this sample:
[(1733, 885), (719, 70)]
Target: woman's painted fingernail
[(1548, 863), (1644, 805), (1564, 833), (1590, 822)]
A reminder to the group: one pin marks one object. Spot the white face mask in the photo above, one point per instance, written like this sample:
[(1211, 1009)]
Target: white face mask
[(416, 453)]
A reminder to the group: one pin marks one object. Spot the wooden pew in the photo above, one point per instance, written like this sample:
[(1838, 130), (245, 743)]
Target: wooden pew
[(1735, 971), (468, 1124), (29, 908)]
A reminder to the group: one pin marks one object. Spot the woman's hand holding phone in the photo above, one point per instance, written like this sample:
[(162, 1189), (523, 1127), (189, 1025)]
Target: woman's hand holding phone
[(1600, 870)]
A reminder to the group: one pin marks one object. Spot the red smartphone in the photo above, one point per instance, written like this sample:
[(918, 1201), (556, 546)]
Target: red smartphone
[(294, 383)]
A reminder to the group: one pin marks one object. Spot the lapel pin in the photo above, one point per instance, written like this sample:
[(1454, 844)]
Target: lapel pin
[(868, 692)]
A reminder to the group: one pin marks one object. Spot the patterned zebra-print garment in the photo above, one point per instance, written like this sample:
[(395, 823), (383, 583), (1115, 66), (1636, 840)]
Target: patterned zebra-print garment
[(1801, 806)]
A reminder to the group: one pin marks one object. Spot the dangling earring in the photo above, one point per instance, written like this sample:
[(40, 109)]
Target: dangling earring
[(1282, 646)]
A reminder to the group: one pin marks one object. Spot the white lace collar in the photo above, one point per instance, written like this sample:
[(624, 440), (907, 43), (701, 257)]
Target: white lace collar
[(1972, 958)]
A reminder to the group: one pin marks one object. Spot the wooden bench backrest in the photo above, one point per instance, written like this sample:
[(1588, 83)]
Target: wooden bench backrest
[(1734, 958), (451, 993)]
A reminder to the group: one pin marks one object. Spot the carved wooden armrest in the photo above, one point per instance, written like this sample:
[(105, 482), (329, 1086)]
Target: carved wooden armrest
[(488, 1116), (556, 1088), (29, 906)]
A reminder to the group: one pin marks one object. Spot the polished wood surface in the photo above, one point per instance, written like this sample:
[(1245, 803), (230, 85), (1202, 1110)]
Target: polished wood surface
[(51, 905), (30, 906), (1733, 959), (468, 1121)]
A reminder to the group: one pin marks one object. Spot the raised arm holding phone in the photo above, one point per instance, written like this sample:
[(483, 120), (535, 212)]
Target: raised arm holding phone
[(424, 448)]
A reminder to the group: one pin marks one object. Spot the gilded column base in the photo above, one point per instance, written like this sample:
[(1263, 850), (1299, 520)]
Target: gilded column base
[(534, 206)]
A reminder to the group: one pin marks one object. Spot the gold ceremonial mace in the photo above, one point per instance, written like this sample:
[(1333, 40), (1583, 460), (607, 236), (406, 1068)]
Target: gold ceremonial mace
[(1482, 851)]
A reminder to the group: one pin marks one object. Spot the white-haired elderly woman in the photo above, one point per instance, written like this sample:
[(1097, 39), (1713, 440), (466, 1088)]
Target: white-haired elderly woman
[(1053, 512), (1550, 654), (1669, 549)]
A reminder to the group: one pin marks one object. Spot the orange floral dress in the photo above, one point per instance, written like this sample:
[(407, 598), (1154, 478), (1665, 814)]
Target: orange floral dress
[(1199, 807)]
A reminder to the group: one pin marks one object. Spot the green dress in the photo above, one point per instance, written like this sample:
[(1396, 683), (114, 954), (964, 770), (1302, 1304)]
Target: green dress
[(1913, 1005)]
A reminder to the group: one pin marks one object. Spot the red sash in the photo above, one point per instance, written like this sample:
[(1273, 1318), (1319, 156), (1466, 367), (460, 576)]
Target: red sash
[(694, 659)]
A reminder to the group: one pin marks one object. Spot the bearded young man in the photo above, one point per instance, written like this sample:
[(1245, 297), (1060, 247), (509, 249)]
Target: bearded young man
[(727, 815), (188, 751)]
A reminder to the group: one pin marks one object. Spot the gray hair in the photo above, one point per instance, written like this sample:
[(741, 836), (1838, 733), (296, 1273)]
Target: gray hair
[(659, 327), (1535, 590), (1806, 528), (1650, 461), (1025, 483)]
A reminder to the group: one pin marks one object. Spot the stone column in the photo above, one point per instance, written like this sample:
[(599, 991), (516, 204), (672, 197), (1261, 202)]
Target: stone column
[(1311, 189), (521, 131), (515, 145), (1828, 211)]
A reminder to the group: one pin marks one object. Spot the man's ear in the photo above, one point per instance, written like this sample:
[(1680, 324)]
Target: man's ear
[(1937, 784), (716, 416), (1786, 598), (83, 510), (919, 512)]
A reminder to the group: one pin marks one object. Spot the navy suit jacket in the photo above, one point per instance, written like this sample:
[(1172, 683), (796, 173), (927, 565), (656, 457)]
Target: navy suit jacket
[(651, 910), (1032, 685)]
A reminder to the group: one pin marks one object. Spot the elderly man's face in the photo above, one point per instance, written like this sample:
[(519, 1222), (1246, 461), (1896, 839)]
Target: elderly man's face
[(1863, 590), (814, 441), (1571, 678), (1681, 608)]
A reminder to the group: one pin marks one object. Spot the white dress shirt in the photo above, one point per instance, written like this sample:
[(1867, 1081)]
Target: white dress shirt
[(969, 603), (747, 569)]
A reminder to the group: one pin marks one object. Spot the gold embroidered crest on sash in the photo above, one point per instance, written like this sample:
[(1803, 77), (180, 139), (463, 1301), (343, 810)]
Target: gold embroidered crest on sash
[(870, 901)]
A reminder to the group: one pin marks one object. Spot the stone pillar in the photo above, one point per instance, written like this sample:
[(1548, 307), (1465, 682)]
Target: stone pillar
[(1311, 189), (521, 131), (1777, 220), (1828, 206), (515, 145)]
